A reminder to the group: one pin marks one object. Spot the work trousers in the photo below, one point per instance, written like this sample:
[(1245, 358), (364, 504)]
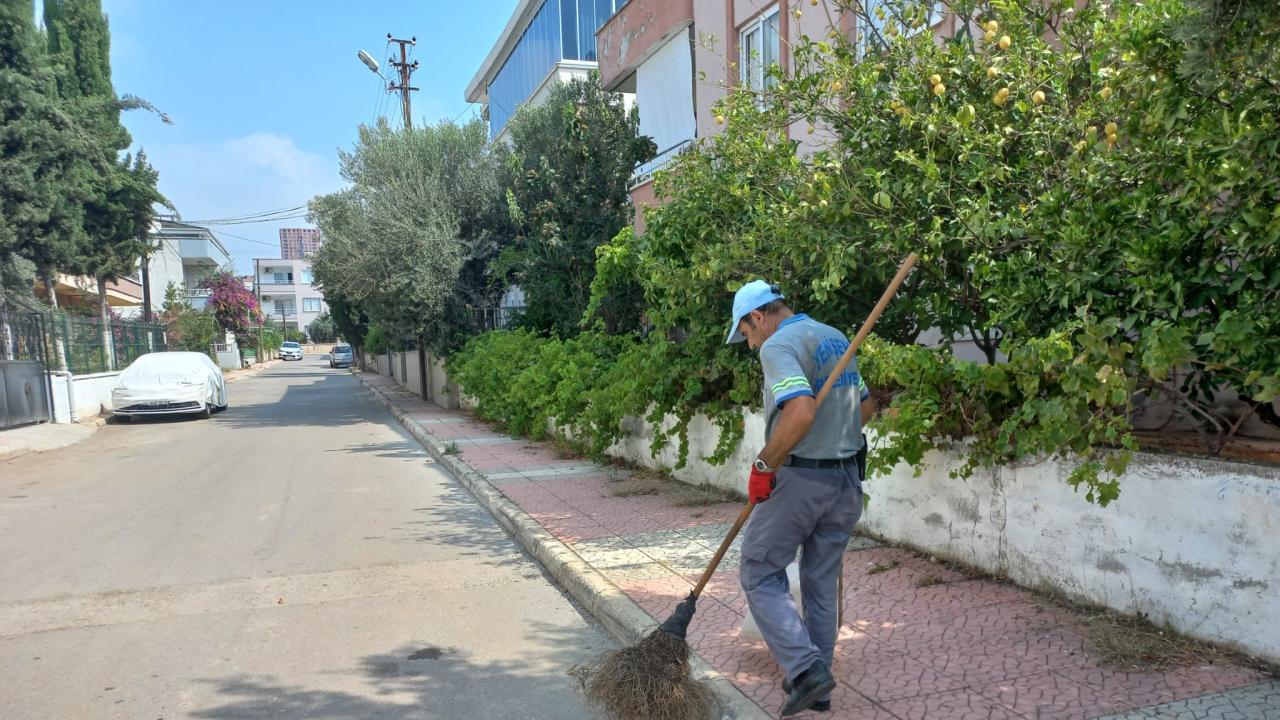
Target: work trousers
[(813, 510)]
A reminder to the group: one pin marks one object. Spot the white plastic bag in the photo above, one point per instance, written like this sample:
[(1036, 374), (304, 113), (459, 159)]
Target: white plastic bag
[(749, 629)]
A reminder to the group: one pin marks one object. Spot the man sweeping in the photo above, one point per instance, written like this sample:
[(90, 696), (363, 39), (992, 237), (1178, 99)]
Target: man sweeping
[(809, 473)]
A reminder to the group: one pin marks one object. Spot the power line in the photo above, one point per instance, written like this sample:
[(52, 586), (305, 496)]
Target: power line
[(241, 237), (265, 214), (277, 218)]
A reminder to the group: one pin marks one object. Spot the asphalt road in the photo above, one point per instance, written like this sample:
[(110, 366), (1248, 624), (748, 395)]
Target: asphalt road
[(298, 556)]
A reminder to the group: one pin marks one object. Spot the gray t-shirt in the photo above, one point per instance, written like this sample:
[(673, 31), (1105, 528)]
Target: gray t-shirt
[(797, 359)]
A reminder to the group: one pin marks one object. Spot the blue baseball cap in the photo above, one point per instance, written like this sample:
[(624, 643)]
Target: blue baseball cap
[(750, 297)]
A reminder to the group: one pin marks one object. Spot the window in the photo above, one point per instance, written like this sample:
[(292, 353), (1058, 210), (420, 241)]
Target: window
[(760, 47), (311, 304), (283, 278), (306, 276)]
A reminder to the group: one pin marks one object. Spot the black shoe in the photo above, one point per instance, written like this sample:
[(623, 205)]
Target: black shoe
[(817, 706), (807, 688)]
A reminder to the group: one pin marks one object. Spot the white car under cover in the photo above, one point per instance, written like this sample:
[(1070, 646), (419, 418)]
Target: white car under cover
[(169, 382)]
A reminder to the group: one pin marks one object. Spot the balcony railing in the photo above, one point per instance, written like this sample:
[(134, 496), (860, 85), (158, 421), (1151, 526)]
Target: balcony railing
[(644, 171)]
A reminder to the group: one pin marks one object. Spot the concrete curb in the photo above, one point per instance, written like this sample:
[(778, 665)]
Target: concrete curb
[(619, 614)]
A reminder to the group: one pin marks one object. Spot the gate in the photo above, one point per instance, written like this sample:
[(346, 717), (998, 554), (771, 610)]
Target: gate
[(24, 384)]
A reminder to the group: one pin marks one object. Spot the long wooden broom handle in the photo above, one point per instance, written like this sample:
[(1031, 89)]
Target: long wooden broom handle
[(903, 270)]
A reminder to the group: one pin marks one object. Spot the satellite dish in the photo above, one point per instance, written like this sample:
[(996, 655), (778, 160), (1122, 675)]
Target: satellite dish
[(367, 59)]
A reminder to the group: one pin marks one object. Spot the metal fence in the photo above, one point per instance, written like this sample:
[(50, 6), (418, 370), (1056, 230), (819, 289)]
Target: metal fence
[(79, 342), (22, 336)]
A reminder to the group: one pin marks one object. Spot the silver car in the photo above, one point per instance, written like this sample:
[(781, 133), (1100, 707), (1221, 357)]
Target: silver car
[(164, 383), (341, 356)]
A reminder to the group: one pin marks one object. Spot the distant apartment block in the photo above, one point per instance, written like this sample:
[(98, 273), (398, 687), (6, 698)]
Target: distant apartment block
[(299, 243), (284, 289), (544, 42)]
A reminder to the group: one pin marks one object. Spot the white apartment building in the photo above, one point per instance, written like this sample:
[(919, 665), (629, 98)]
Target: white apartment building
[(284, 289), (186, 254)]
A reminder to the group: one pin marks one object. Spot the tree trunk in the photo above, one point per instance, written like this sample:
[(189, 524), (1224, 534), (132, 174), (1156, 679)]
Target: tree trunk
[(58, 330), (104, 324)]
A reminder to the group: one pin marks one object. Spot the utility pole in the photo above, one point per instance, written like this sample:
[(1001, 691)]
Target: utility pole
[(406, 69), (146, 289)]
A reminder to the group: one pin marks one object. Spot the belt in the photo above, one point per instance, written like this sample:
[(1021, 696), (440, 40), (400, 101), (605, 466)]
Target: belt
[(821, 463)]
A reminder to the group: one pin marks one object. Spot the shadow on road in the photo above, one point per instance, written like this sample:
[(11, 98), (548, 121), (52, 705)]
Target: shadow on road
[(425, 680), (334, 400)]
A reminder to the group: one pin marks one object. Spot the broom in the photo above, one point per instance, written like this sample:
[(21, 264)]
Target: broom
[(651, 679)]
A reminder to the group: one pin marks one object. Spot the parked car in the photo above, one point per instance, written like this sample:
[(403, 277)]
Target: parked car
[(163, 383), (341, 356), (290, 351)]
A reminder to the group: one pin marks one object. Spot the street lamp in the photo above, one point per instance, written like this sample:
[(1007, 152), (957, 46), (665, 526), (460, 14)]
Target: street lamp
[(367, 59)]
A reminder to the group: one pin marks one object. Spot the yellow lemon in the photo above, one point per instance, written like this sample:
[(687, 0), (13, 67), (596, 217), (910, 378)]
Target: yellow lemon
[(991, 26), (939, 89), (992, 72), (1105, 92), (719, 119), (1002, 95), (810, 130), (1111, 128), (935, 79), (836, 86), (1037, 97), (1005, 42), (988, 36)]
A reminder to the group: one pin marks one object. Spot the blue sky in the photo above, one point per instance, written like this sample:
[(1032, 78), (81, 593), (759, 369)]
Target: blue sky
[(263, 93)]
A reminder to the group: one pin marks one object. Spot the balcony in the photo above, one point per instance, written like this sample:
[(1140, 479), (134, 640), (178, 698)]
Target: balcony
[(635, 32), (202, 251)]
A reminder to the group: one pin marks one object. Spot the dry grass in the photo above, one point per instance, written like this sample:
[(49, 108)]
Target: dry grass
[(648, 482), (928, 580), (1121, 642), (877, 568), (635, 486), (682, 495)]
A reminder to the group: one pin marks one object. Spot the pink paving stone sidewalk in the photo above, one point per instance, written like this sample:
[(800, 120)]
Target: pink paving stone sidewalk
[(918, 640)]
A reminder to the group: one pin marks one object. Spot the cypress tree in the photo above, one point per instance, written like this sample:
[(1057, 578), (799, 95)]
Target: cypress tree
[(41, 208), (120, 191)]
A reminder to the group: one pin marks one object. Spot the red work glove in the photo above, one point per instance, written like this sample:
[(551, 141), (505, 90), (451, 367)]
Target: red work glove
[(759, 486)]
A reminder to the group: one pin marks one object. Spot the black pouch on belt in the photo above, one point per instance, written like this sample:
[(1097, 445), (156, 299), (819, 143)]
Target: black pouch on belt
[(861, 457)]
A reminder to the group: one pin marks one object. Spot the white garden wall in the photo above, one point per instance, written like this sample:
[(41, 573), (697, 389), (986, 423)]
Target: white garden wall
[(76, 397)]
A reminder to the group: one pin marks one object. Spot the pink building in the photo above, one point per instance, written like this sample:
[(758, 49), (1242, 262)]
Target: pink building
[(679, 57), (299, 243)]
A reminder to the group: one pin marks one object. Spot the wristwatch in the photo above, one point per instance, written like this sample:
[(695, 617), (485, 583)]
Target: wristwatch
[(762, 466)]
